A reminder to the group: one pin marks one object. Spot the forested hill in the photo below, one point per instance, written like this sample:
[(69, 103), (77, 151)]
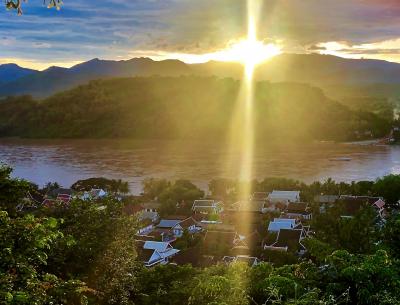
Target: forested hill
[(183, 107)]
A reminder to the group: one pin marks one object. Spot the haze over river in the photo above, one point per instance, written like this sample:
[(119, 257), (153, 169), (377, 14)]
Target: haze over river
[(66, 161)]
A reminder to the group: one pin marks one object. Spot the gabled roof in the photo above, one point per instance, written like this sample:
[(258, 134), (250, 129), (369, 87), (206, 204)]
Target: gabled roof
[(188, 222), (380, 203), (250, 206), (289, 238), (49, 202), (326, 198), (36, 196), (247, 259), (277, 226), (204, 203), (157, 245), (144, 254), (64, 197), (294, 207), (56, 192), (287, 195), (168, 223), (97, 192), (292, 221), (259, 196)]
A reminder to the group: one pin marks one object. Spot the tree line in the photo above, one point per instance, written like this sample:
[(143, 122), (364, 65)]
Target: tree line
[(186, 108)]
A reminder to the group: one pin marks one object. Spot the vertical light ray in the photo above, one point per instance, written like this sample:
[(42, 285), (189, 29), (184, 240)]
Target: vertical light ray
[(247, 142)]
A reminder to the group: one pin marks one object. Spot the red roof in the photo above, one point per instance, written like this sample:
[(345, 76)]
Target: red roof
[(64, 197), (49, 202)]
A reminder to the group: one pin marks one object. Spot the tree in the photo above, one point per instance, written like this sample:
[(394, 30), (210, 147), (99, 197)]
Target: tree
[(110, 185), (17, 4), (388, 187), (26, 243), (12, 191)]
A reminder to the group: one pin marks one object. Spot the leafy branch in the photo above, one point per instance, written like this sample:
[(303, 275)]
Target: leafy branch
[(17, 4)]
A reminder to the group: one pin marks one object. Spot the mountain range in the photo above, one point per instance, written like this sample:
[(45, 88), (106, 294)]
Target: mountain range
[(319, 70)]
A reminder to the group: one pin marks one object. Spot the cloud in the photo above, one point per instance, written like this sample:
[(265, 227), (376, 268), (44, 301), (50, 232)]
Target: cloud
[(118, 28), (387, 49)]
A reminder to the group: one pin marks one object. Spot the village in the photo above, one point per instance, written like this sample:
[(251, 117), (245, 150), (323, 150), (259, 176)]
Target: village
[(267, 227)]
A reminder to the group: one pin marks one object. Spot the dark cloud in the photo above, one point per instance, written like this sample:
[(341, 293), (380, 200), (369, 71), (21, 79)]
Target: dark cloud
[(113, 28)]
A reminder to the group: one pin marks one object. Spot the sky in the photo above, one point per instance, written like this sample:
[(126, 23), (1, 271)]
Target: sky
[(191, 30)]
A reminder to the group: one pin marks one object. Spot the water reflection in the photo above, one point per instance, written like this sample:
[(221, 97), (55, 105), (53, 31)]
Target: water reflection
[(66, 161)]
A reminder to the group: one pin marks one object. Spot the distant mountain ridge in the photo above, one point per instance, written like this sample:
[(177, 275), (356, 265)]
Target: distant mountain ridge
[(12, 72), (320, 70)]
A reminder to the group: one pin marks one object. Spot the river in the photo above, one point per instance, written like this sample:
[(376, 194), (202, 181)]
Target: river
[(66, 161)]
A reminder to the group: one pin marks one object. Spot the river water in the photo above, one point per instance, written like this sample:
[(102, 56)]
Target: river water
[(66, 161)]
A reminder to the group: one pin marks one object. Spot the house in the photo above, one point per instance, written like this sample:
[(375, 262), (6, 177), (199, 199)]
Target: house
[(207, 207), (188, 224), (326, 199), (98, 193), (352, 204), (177, 226), (259, 196), (66, 198), (250, 260), (289, 240), (254, 206), (284, 197), (49, 203), (298, 210), (281, 223), (249, 244), (168, 223), (155, 252), (150, 211), (93, 194), (60, 191)]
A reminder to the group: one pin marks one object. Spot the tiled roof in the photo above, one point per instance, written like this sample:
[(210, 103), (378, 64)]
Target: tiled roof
[(187, 223), (288, 238), (156, 245), (296, 207), (259, 195), (168, 223), (276, 226), (204, 203), (285, 195), (250, 206)]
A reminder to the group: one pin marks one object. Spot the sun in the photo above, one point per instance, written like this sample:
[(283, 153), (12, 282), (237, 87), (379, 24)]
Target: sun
[(249, 51)]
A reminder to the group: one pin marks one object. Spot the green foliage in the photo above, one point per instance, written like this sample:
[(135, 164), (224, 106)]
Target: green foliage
[(358, 234), (172, 195), (196, 108), (17, 4), (391, 235), (110, 185), (165, 285), (12, 191), (388, 187), (25, 245)]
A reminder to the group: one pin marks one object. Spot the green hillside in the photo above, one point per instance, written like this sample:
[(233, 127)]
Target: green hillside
[(183, 107)]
